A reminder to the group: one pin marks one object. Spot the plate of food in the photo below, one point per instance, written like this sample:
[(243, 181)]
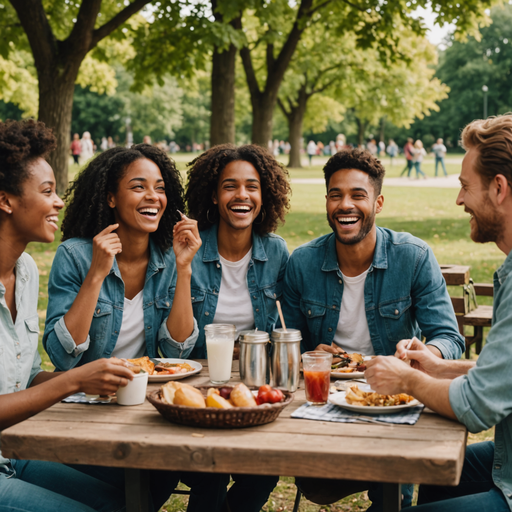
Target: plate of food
[(168, 368), (349, 366), (363, 399), (219, 407)]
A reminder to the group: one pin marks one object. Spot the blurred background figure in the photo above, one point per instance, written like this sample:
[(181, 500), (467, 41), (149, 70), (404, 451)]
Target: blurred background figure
[(382, 148), (408, 153), (87, 147), (146, 140), (332, 148), (104, 144), (392, 151), (311, 151), (372, 147), (319, 148), (418, 154), (110, 143), (341, 141), (439, 150), (76, 148)]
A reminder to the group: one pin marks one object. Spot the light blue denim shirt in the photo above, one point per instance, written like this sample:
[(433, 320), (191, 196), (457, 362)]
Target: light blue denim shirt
[(264, 279), (483, 398), (70, 266), (19, 359), (405, 295)]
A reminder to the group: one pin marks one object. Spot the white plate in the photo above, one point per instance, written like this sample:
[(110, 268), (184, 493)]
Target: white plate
[(350, 375), (165, 378), (339, 399)]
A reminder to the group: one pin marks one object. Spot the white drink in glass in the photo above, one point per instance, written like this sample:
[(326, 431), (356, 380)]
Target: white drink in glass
[(220, 342)]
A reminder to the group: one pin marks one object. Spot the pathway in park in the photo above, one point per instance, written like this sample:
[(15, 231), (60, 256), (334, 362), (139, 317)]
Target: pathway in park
[(451, 181)]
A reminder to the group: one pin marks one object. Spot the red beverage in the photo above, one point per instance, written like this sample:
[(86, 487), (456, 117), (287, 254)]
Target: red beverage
[(317, 386)]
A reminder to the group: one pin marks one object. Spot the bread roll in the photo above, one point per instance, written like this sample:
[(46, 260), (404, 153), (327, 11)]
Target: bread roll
[(241, 396), (189, 396)]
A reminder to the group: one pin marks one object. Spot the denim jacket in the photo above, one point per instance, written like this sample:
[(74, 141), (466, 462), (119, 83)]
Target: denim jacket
[(70, 266), (405, 295), (482, 399), (264, 279)]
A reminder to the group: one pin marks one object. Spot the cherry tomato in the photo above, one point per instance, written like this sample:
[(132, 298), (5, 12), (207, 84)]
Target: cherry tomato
[(276, 395)]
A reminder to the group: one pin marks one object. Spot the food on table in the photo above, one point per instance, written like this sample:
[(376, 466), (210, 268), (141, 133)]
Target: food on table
[(317, 385), (161, 368), (241, 396), (355, 396), (187, 396), (176, 393), (348, 363)]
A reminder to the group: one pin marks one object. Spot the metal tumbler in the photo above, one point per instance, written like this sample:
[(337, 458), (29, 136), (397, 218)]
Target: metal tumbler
[(286, 358), (254, 364)]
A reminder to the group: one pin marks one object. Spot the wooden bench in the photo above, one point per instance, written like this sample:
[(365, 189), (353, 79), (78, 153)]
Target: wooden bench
[(467, 310)]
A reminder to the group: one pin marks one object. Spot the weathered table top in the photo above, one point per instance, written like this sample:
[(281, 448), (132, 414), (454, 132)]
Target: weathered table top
[(432, 451)]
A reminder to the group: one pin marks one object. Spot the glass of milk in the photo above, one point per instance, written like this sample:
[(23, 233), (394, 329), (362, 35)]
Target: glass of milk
[(220, 342)]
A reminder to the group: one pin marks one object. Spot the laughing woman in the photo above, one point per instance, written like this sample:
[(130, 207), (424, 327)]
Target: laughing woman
[(116, 288), (29, 210)]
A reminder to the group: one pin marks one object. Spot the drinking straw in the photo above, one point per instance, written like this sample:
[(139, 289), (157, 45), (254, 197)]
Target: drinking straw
[(279, 310)]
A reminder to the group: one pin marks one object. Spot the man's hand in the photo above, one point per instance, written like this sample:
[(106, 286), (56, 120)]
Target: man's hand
[(332, 349), (101, 377), (387, 375), (419, 355)]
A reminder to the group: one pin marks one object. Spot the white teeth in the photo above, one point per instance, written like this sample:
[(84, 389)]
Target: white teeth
[(53, 218), (241, 208), (347, 219), (149, 210)]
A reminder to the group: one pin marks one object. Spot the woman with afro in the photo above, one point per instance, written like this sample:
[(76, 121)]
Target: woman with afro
[(116, 287), (29, 210), (238, 197)]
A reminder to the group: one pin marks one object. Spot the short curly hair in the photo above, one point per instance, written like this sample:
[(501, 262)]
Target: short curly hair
[(21, 142), (203, 178), (359, 159), (88, 212)]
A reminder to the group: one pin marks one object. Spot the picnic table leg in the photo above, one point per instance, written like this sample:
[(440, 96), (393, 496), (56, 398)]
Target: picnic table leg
[(392, 497), (136, 484)]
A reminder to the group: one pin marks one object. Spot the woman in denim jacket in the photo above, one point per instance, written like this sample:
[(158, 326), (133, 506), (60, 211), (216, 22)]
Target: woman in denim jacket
[(109, 287), (238, 197)]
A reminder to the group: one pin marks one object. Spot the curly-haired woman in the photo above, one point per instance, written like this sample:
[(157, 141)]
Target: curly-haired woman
[(238, 197), (115, 288), (29, 209)]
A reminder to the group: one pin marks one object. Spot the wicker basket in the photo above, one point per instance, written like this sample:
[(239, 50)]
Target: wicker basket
[(210, 417)]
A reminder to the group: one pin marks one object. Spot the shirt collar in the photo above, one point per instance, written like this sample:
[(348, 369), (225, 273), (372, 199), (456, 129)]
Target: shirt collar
[(505, 269), (380, 257), (211, 248)]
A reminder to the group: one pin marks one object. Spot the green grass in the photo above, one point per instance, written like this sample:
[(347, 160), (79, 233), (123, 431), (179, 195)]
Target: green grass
[(428, 213)]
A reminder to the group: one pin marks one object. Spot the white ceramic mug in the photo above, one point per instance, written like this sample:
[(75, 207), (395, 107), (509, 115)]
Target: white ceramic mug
[(134, 393)]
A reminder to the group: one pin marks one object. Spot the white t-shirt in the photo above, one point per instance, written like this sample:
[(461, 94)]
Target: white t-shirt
[(131, 342), (234, 305), (352, 332)]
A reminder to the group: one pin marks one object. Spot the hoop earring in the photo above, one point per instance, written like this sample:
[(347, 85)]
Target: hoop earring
[(208, 217), (262, 212)]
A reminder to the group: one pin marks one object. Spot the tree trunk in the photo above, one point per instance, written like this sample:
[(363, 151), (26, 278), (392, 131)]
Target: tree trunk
[(361, 127), (382, 128), (55, 110), (262, 118), (222, 120), (295, 122)]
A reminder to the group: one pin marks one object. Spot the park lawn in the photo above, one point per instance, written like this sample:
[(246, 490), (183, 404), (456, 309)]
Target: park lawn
[(429, 213)]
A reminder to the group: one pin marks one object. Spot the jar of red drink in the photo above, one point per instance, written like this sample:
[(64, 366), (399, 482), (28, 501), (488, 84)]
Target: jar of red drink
[(317, 376)]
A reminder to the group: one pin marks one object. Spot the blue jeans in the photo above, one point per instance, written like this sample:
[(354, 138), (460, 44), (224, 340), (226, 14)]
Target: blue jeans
[(417, 166), (408, 168), (476, 491), (441, 159), (30, 485)]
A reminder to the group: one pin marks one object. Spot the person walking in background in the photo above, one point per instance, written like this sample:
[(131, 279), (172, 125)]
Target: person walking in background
[(382, 148), (104, 144), (372, 147), (418, 154), (110, 143), (87, 147), (408, 152), (319, 148), (332, 148), (392, 151), (76, 148), (439, 150), (311, 151)]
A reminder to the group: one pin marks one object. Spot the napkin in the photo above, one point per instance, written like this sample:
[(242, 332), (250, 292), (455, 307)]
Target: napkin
[(331, 412), (82, 398)]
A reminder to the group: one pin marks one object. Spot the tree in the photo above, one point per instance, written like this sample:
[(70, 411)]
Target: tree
[(60, 34)]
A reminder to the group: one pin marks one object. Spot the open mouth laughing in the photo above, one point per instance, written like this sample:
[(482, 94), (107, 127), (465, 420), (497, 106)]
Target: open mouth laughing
[(347, 221), (150, 213), (52, 220), (241, 210)]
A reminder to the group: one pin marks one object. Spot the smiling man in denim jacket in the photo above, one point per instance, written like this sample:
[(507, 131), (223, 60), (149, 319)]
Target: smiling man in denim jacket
[(475, 393), (364, 288)]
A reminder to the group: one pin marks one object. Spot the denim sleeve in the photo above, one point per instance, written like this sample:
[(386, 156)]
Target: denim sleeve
[(291, 303), (36, 368), (172, 348), (433, 308), (482, 398), (63, 287)]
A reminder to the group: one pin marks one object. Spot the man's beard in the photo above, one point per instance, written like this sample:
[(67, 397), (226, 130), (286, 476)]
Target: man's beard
[(366, 227), (487, 224)]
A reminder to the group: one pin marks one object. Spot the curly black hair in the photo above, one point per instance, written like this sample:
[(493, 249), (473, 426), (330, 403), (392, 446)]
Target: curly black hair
[(88, 212), (203, 177), (359, 159), (21, 142)]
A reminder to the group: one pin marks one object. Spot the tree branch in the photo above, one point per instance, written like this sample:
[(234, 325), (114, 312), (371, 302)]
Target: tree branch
[(362, 9), (250, 74), (79, 40), (122, 16), (287, 114)]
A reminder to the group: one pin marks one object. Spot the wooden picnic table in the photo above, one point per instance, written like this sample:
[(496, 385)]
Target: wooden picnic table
[(138, 438)]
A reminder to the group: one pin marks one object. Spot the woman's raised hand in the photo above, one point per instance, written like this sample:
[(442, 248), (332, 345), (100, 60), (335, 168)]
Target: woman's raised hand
[(186, 242), (101, 377), (105, 245)]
